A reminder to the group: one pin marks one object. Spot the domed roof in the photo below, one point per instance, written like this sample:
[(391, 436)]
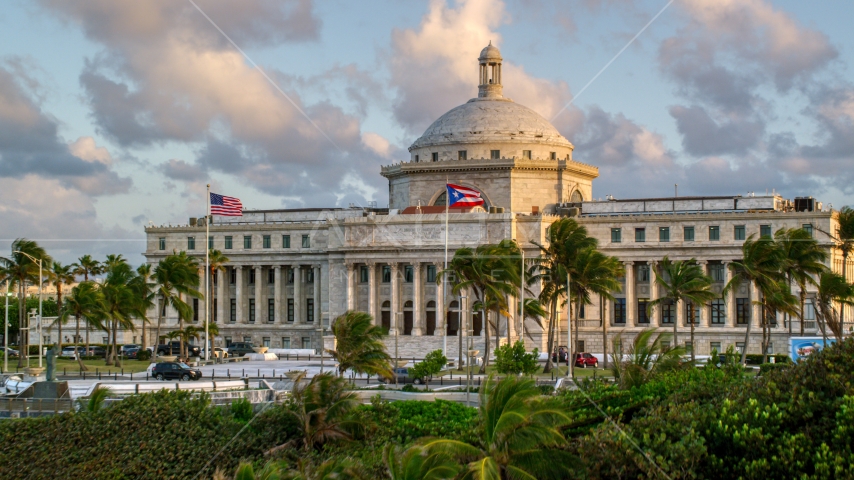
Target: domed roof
[(482, 120), (490, 53)]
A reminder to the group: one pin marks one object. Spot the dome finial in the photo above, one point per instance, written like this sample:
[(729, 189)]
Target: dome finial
[(489, 83)]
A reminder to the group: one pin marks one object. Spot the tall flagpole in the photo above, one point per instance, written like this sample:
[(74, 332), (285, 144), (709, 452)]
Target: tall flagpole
[(207, 274), (445, 281)]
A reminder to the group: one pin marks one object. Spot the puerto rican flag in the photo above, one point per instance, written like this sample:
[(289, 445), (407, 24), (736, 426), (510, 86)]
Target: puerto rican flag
[(460, 196)]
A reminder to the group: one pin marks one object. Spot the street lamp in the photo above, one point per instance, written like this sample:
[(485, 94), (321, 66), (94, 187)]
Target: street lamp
[(40, 308), (6, 329), (322, 328), (521, 294)]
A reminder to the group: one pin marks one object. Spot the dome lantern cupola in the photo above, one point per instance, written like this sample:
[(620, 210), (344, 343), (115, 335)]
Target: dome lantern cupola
[(489, 84)]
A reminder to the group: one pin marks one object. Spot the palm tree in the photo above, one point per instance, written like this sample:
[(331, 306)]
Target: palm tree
[(683, 281), (86, 265), (21, 269), (845, 237), (120, 302), (521, 435), (647, 357), (833, 290), (191, 266), (174, 276), (87, 301), (418, 463), (359, 346), (245, 471), (144, 291), (59, 275), (803, 259), (566, 238), (776, 299), (761, 264)]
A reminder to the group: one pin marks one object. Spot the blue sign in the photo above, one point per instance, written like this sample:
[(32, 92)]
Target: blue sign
[(802, 347)]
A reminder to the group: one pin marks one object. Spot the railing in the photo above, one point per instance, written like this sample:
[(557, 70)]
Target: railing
[(13, 406)]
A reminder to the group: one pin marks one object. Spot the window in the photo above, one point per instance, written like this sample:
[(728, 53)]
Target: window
[(306, 241), (291, 310), (718, 312), (616, 235), (769, 318), (552, 155), (271, 276), (579, 346), (462, 155), (228, 245), (309, 310), (228, 341), (495, 154), (714, 234), (664, 234), (643, 314), (808, 228), (665, 344), (526, 154), (764, 230), (195, 309), (668, 312), (739, 347), (435, 156), (233, 277), (191, 243), (286, 342), (739, 232), (251, 276), (214, 309), (717, 272), (769, 348), (161, 242), (416, 158), (364, 274), (233, 315), (251, 310), (809, 310), (286, 241), (692, 318), (580, 311), (265, 342), (715, 346), (290, 275), (689, 346), (620, 310), (210, 242), (271, 310), (742, 311), (386, 274), (688, 234), (309, 275), (247, 339), (640, 234), (247, 242), (431, 273), (306, 342), (408, 273), (266, 242), (643, 273)]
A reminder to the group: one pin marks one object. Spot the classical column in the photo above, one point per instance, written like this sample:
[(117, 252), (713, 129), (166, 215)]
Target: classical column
[(704, 309), (372, 292), (654, 319), (730, 300), (222, 316), (238, 292), (440, 303), (277, 294), (680, 318), (351, 286), (756, 310), (260, 301), (316, 272), (417, 300), (395, 293), (297, 294), (631, 298)]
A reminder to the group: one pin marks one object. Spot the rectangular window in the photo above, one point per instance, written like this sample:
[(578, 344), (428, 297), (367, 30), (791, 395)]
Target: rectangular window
[(214, 310), (386, 274), (291, 310), (210, 242), (495, 154), (665, 345), (526, 154), (552, 155), (640, 234), (233, 315), (739, 347), (247, 242), (191, 243), (715, 346), (431, 273), (247, 339), (286, 241), (408, 273), (306, 241), (233, 277), (808, 228), (161, 243), (643, 314), (716, 271), (643, 274), (364, 274), (266, 242), (769, 318), (664, 234), (286, 342), (764, 230), (769, 349), (688, 234), (809, 310), (271, 310), (718, 312), (739, 232), (271, 276), (309, 310), (580, 311), (228, 245), (416, 159), (714, 234), (462, 155), (616, 235), (265, 342), (579, 346), (228, 342), (742, 311), (435, 156), (668, 313), (251, 310), (620, 310), (688, 316), (251, 276), (689, 346), (195, 309), (309, 275), (306, 342), (290, 276)]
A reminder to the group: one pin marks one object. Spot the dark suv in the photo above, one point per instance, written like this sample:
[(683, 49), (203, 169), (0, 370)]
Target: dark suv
[(175, 371), (174, 348), (239, 349)]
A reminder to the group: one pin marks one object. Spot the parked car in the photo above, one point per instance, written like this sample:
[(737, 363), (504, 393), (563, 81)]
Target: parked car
[(239, 349), (174, 348), (12, 352), (216, 353), (131, 353), (127, 347), (584, 360), (403, 377), (97, 352), (175, 371), (561, 354), (72, 352)]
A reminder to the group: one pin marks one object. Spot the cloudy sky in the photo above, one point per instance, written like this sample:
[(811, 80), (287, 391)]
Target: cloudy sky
[(114, 114)]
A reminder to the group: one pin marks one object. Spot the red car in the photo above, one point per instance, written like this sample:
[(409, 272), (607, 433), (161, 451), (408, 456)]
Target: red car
[(584, 360)]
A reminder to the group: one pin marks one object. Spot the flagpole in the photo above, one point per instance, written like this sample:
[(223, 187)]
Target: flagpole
[(445, 282), (207, 273)]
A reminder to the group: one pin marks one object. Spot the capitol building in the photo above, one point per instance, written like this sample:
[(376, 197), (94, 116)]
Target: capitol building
[(291, 271)]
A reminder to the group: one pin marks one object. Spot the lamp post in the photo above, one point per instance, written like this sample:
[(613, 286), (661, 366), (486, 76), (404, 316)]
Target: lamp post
[(6, 329), (322, 328), (521, 310), (570, 360), (40, 305), (396, 357)]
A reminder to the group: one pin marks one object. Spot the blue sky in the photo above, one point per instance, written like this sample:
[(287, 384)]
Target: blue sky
[(118, 113)]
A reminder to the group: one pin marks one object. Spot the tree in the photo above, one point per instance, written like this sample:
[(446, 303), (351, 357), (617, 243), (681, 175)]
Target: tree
[(86, 265), (245, 471), (359, 346), (647, 356), (521, 435), (683, 281), (21, 269), (845, 239), (174, 276), (417, 463), (513, 359), (433, 363), (143, 289), (833, 290), (120, 302), (803, 259), (59, 275), (85, 301)]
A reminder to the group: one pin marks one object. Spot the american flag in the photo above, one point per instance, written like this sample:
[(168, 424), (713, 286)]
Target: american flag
[(226, 206), (463, 196)]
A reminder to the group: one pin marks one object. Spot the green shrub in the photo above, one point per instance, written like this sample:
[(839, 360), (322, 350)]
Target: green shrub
[(767, 367), (514, 360), (143, 355), (546, 389), (409, 388)]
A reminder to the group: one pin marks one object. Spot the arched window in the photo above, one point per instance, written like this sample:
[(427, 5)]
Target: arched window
[(576, 197), (408, 304), (431, 305), (386, 305)]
